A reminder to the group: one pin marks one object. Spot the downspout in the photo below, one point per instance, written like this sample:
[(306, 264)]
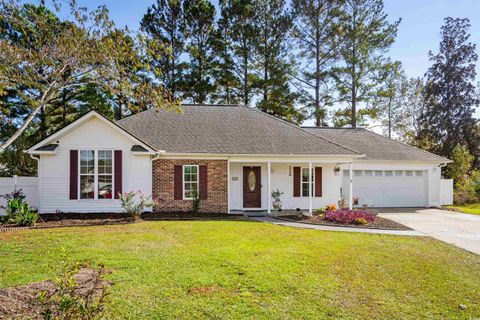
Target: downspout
[(39, 182), (155, 157)]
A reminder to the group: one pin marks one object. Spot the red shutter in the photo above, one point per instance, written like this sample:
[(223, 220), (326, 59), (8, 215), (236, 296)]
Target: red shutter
[(73, 174), (203, 183), (296, 181), (177, 182), (318, 181), (118, 173)]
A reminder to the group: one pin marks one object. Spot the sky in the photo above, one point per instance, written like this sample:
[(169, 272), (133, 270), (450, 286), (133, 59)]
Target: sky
[(418, 32)]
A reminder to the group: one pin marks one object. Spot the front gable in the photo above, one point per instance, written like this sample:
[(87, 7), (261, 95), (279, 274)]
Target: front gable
[(91, 131)]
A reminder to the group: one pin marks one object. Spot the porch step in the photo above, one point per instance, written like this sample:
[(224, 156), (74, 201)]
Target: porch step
[(254, 213)]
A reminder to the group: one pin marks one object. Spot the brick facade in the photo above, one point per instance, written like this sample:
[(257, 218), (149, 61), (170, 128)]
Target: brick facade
[(163, 186)]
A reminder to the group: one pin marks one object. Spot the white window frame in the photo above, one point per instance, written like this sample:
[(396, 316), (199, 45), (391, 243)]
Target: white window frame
[(312, 181), (95, 174), (183, 180)]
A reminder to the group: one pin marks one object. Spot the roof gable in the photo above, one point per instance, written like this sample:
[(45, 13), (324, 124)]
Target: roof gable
[(45, 145)]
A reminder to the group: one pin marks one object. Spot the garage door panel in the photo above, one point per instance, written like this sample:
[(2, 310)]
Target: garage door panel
[(389, 191)]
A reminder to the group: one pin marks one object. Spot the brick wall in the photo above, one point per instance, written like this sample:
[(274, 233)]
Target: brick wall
[(217, 196)]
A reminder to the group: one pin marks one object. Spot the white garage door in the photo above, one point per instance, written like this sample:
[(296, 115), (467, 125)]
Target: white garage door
[(388, 188)]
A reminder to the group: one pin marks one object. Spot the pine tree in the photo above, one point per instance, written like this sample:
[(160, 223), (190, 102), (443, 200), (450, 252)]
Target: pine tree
[(241, 35), (450, 93), (225, 79), (164, 24), (201, 33), (390, 97), (366, 36), (272, 25), (315, 33)]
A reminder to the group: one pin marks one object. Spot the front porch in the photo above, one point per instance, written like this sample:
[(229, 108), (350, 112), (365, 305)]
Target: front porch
[(251, 182)]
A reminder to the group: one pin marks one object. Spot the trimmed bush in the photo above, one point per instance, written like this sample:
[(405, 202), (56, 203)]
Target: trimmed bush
[(346, 216)]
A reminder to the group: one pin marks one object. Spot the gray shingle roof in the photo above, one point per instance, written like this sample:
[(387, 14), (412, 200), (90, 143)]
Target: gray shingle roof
[(225, 130), (374, 146)]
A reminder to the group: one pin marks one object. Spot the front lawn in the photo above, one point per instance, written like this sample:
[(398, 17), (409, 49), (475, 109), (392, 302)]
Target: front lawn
[(473, 208), (243, 269)]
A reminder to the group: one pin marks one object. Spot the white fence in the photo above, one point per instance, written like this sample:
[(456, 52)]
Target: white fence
[(446, 191), (28, 186)]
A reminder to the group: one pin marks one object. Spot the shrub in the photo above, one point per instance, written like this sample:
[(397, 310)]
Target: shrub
[(134, 203), (195, 202), (361, 221), (320, 211), (331, 207), (69, 300), (18, 211), (346, 216), (24, 216)]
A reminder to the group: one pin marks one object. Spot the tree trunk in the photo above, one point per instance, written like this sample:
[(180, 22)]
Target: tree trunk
[(43, 123), (390, 117), (319, 120), (21, 129)]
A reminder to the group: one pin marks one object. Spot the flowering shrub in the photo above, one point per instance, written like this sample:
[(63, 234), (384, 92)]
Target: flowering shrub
[(361, 221), (346, 216), (134, 203), (331, 207)]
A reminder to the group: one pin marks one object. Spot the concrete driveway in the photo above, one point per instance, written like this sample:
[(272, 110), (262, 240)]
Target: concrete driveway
[(461, 230)]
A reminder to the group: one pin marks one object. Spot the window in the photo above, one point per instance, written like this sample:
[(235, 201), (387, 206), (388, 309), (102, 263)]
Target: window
[(87, 174), (105, 174), (389, 173), (398, 173), (96, 169), (190, 181), (378, 173), (368, 173), (305, 182), (419, 173), (409, 173)]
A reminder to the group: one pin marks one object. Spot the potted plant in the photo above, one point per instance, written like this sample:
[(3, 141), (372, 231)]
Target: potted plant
[(277, 203), (342, 203), (356, 200)]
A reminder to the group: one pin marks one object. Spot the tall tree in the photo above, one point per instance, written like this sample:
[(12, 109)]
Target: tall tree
[(315, 32), (406, 126), (225, 79), (164, 24), (450, 93), (83, 51), (241, 35), (201, 33), (391, 95), (272, 26), (367, 35)]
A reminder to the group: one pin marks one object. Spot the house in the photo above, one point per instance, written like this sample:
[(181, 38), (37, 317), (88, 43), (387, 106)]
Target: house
[(234, 156)]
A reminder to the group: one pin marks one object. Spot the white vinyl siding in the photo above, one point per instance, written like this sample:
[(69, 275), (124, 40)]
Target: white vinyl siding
[(91, 135)]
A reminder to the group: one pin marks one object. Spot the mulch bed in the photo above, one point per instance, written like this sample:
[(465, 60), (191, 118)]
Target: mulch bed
[(378, 223), (22, 302), (101, 219)]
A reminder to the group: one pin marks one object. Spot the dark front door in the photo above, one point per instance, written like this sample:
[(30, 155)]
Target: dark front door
[(252, 187)]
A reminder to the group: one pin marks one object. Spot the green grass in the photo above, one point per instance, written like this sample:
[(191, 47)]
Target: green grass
[(473, 208), (249, 270)]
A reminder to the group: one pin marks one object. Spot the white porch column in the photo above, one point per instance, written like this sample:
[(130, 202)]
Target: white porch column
[(228, 185), (310, 191), (350, 195), (269, 187)]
